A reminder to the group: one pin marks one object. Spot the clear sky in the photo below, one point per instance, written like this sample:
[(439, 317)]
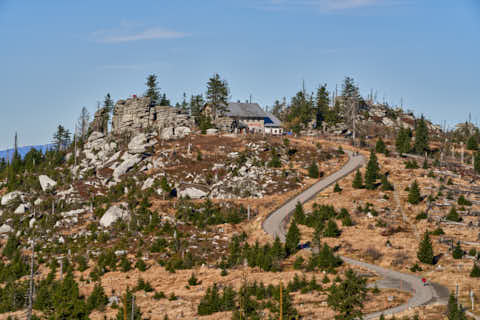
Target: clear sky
[(57, 56)]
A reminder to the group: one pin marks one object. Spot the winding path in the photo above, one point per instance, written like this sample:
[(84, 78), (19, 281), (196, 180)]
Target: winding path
[(391, 279)]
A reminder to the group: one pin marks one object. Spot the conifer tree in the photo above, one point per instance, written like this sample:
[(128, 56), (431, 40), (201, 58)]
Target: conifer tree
[(299, 213), (153, 91), (293, 239), (421, 137), (322, 105), (403, 141), (97, 299), (475, 273), (457, 251), (453, 215), (371, 174), (380, 146), (337, 188), (331, 230), (454, 311), (313, 170), (217, 95), (425, 251), (477, 162), (414, 196), (386, 185), (127, 305), (347, 297), (472, 143), (358, 181)]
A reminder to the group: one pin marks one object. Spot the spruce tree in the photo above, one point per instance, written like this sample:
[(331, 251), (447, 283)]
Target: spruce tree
[(127, 305), (477, 162), (371, 174), (403, 141), (457, 251), (337, 188), (475, 273), (322, 105), (313, 170), (358, 181), (414, 196), (97, 299), (421, 137), (347, 298), (293, 239), (454, 311), (299, 213), (386, 185), (152, 90), (331, 230), (380, 146), (425, 251), (217, 95), (472, 143), (453, 215)]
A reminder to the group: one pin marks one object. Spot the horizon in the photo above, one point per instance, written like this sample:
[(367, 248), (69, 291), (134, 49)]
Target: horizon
[(60, 57)]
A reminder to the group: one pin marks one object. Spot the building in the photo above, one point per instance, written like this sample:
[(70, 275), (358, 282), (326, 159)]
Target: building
[(273, 125), (241, 116)]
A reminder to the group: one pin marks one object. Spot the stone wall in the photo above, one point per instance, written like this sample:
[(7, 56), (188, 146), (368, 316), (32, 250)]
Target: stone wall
[(136, 114)]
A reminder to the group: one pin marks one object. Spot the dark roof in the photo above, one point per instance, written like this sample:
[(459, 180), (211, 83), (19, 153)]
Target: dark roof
[(274, 121), (245, 110)]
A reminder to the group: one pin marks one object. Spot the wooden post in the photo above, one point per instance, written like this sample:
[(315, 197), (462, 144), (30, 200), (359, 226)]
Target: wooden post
[(30, 291), (472, 297), (281, 301), (133, 307), (125, 307)]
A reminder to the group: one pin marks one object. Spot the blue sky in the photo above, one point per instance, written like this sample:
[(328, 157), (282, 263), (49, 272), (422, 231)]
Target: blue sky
[(57, 56)]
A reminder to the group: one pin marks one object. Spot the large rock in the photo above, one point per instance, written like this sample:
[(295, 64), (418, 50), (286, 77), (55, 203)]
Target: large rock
[(129, 162), (46, 183), (114, 214), (175, 132), (11, 196), (139, 144), (192, 193), (21, 209), (212, 132), (5, 229), (95, 136)]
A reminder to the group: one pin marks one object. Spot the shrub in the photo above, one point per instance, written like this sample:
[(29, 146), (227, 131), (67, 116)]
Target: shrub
[(453, 215), (337, 188), (373, 253), (298, 264), (462, 201), (193, 281), (414, 193), (457, 252), (438, 232), (159, 295), (475, 273), (421, 216)]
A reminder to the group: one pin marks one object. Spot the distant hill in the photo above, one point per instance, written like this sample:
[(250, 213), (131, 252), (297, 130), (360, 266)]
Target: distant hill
[(24, 150)]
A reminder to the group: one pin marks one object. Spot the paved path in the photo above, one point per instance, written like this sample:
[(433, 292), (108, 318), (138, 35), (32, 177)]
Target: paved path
[(274, 223), (423, 295)]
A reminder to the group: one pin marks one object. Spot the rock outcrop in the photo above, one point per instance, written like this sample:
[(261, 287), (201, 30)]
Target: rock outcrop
[(100, 121), (114, 214), (137, 114)]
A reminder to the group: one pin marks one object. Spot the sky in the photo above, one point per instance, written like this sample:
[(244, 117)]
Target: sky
[(57, 56)]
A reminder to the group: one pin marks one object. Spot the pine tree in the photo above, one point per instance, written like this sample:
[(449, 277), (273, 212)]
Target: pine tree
[(292, 239), (477, 162), (331, 230), (414, 196), (454, 311), (371, 174), (425, 251), (358, 181), (127, 305), (386, 185), (380, 146), (472, 143), (347, 297), (337, 188), (217, 95), (453, 215), (196, 104), (313, 170), (97, 299), (299, 214), (475, 273), (403, 141), (322, 105), (421, 137), (152, 90), (457, 251)]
